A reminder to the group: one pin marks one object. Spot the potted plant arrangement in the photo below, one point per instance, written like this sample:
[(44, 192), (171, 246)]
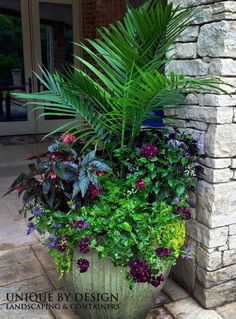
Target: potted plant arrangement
[(109, 198)]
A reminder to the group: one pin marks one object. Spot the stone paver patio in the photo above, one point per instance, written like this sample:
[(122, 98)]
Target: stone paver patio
[(25, 266)]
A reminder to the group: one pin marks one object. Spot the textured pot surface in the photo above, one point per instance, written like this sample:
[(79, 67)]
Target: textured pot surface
[(104, 293)]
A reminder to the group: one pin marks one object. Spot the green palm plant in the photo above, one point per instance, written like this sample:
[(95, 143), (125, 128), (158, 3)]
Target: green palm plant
[(125, 82)]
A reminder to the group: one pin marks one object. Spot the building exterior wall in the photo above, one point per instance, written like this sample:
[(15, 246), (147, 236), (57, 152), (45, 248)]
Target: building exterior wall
[(97, 13), (208, 48)]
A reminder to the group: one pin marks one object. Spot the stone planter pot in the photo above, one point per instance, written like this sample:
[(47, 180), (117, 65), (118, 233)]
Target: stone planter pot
[(103, 292)]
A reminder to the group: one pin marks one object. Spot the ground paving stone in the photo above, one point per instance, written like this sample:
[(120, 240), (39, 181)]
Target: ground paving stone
[(159, 313), (161, 299), (34, 285), (24, 314), (53, 276), (19, 272), (228, 311), (188, 308), (43, 256), (13, 256), (174, 291)]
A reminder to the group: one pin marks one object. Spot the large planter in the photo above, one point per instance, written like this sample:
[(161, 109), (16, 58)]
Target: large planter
[(104, 293)]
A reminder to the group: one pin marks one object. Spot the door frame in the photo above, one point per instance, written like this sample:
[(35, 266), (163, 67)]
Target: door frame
[(28, 126), (44, 126)]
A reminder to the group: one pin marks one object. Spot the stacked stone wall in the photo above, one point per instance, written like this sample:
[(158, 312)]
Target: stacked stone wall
[(208, 47)]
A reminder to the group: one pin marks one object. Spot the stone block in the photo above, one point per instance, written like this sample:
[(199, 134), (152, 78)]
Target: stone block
[(217, 175), (216, 204), (216, 162), (209, 261), (219, 100), (188, 67), (221, 140), (212, 278), (229, 257), (233, 163), (232, 242), (217, 39), (188, 308), (185, 50), (190, 34), (232, 230), (209, 237), (219, 115), (174, 291), (217, 295), (224, 67)]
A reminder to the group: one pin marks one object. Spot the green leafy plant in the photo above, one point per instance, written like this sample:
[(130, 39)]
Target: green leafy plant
[(125, 82)]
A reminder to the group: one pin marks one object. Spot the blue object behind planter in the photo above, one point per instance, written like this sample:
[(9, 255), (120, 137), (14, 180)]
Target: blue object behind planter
[(155, 122)]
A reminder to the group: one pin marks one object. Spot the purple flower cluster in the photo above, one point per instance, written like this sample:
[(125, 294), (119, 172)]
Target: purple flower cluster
[(140, 271), (56, 225), (30, 227), (184, 213), (62, 244), (156, 281), (79, 223), (37, 211), (84, 244), (83, 264), (52, 241), (163, 252), (149, 151)]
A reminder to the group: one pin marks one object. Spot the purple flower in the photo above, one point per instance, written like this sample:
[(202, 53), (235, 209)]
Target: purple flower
[(31, 227), (156, 281), (37, 211), (82, 224), (149, 151), (163, 252), (73, 206), (140, 271), (201, 142), (188, 253), (83, 264), (184, 213), (83, 244), (176, 200), (56, 225), (175, 143), (52, 241)]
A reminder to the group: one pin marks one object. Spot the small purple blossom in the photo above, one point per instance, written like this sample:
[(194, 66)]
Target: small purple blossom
[(176, 200), (149, 151), (163, 252), (192, 204), (188, 253), (31, 227), (52, 241), (73, 206), (184, 213), (37, 211), (83, 264), (53, 224), (156, 281), (83, 244), (201, 142), (140, 271), (175, 143)]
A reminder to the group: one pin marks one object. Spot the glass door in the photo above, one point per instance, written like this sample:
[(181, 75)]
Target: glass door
[(55, 25), (15, 68)]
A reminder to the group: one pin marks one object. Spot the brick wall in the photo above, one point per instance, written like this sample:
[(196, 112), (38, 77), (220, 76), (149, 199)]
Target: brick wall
[(96, 13), (208, 48)]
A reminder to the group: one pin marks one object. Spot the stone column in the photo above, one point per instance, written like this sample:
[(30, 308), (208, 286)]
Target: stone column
[(208, 47)]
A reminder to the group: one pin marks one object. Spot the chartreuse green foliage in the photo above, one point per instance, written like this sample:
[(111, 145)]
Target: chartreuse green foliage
[(125, 81)]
